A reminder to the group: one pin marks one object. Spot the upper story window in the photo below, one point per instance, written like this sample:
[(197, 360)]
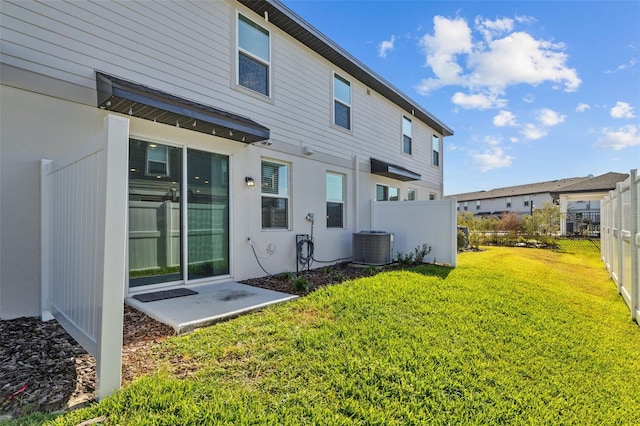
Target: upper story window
[(406, 135), (526, 200), (275, 195), (433, 196), (435, 142), (508, 201), (254, 57), (335, 200), (477, 205), (412, 194), (341, 102), (466, 205), (387, 193)]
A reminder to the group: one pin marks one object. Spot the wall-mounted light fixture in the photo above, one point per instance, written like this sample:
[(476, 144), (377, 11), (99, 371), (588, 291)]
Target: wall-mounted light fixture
[(249, 181)]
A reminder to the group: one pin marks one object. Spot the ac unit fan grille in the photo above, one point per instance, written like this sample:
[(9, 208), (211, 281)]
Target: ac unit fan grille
[(372, 248)]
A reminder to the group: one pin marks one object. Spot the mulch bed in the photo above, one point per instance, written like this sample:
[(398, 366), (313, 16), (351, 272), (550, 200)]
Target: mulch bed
[(42, 369)]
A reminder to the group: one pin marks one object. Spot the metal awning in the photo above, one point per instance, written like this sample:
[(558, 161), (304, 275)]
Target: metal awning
[(382, 168), (134, 99)]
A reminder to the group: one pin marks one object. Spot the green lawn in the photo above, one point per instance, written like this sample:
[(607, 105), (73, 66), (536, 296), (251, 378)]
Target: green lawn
[(511, 336)]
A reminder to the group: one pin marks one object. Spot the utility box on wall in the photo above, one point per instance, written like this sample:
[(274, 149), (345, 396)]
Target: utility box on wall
[(372, 247)]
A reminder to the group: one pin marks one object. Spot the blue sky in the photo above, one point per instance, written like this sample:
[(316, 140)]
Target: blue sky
[(534, 90)]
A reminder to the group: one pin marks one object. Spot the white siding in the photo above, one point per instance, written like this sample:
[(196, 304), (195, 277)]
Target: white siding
[(50, 52), (149, 43)]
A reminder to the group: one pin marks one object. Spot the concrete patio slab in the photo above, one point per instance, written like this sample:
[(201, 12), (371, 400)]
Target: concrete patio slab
[(213, 303)]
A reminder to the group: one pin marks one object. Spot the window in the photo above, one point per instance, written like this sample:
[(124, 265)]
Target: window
[(477, 205), (466, 205), (406, 135), (432, 196), (341, 102), (526, 200), (411, 194), (157, 160), (508, 201), (275, 195), (435, 142), (253, 56), (458, 206), (387, 193), (335, 200)]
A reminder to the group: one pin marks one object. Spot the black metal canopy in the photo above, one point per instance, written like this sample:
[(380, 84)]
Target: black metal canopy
[(382, 168), (125, 97)]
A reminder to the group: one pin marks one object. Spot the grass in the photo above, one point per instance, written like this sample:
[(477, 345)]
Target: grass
[(511, 336)]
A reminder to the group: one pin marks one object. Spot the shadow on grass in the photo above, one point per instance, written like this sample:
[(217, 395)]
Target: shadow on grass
[(432, 270)]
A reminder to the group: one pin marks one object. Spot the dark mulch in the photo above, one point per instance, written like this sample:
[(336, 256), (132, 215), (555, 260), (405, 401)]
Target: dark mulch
[(316, 278), (42, 369)]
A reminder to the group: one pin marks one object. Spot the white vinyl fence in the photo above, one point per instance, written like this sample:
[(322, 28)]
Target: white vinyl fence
[(83, 225), (414, 223), (620, 238)]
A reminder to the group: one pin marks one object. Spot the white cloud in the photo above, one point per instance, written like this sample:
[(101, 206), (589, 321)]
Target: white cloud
[(529, 98), (491, 29), (497, 61), (533, 132), (491, 158), (504, 118), (632, 62), (478, 101), (622, 110), (582, 107), (519, 58), (624, 137), (548, 117), (386, 46), (450, 38)]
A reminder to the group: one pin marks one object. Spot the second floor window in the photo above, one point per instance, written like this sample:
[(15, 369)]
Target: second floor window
[(526, 200), (341, 102), (477, 205), (435, 142), (275, 195), (508, 201), (411, 194), (406, 135), (253, 56)]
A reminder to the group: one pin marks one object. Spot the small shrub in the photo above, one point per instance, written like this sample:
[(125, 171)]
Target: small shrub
[(301, 283), (462, 241), (286, 276), (416, 258)]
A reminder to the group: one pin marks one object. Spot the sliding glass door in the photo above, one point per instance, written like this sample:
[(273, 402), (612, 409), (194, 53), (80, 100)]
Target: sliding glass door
[(168, 230)]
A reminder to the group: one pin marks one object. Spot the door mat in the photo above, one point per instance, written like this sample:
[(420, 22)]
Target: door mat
[(165, 294)]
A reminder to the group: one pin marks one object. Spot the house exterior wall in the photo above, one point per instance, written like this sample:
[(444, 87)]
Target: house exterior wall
[(50, 53)]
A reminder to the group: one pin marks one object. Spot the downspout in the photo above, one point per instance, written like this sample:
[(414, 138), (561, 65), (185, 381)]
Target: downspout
[(356, 189)]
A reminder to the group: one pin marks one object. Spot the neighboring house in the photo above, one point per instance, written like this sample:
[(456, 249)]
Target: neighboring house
[(519, 199), (579, 199), (239, 119), (580, 203)]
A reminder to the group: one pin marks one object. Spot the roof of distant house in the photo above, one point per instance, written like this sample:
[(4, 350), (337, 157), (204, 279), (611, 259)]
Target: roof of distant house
[(605, 182), (526, 189)]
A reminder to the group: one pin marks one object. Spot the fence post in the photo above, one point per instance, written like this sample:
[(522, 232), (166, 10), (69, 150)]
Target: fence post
[(617, 220), (109, 341), (635, 280), (45, 236)]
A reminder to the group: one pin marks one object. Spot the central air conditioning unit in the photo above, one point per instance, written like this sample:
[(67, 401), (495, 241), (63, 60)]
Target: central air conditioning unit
[(372, 247)]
